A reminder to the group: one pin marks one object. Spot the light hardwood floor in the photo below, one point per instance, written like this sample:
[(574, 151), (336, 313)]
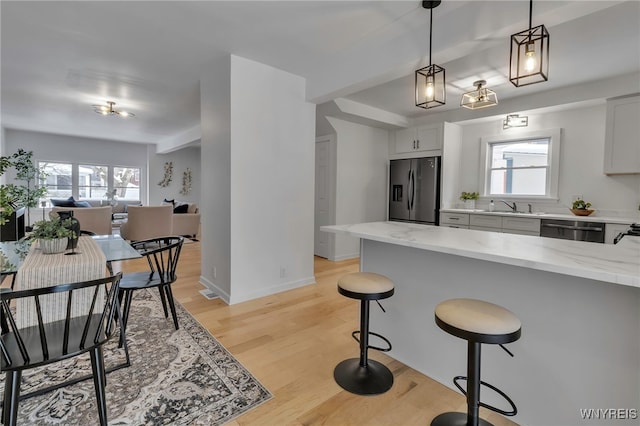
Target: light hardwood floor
[(291, 342)]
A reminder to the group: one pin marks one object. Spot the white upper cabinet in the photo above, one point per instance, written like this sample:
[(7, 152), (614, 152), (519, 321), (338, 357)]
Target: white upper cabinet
[(423, 138), (622, 138)]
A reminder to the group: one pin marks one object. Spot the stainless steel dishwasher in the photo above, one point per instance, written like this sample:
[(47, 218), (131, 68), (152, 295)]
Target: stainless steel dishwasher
[(572, 230)]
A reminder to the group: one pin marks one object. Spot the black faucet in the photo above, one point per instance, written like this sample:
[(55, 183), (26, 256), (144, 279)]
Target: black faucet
[(512, 207)]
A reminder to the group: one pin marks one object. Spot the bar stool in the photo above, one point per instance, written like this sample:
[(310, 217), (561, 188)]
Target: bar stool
[(477, 322), (365, 376)]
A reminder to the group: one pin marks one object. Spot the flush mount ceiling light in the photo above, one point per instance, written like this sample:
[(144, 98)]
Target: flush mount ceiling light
[(529, 58), (108, 110), (430, 80), (514, 120), (479, 98)]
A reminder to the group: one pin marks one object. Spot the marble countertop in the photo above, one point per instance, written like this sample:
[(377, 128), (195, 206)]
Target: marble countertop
[(618, 264), (539, 215)]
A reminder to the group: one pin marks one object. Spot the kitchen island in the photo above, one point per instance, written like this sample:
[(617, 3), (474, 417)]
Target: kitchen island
[(579, 304)]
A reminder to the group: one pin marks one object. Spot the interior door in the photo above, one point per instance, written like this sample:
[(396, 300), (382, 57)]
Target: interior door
[(322, 198)]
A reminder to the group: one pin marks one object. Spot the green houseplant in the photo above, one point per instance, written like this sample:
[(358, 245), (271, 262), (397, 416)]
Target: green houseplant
[(28, 193), (469, 199), (53, 235), (581, 208)]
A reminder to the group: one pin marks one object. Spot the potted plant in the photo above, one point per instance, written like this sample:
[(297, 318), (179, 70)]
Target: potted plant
[(53, 235), (469, 199), (581, 208), (27, 194)]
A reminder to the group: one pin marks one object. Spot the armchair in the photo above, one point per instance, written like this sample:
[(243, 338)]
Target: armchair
[(144, 222)]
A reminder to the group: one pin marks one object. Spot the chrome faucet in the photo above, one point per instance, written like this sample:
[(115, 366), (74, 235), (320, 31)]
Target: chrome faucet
[(512, 207)]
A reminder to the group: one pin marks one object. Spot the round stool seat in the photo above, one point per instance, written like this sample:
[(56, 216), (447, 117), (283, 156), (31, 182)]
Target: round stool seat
[(365, 286), (478, 321)]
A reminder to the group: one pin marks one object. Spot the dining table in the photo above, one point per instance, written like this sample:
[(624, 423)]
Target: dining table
[(31, 268)]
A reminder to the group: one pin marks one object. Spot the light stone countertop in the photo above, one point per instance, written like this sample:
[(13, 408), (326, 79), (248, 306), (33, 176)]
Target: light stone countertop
[(539, 215), (614, 263)]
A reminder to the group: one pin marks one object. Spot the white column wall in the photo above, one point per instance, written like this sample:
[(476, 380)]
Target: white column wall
[(361, 176), (272, 153), (215, 151)]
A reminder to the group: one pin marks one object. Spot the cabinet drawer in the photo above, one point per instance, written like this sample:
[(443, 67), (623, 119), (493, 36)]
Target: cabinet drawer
[(450, 225), (521, 224), (521, 232), (486, 221), (454, 218)]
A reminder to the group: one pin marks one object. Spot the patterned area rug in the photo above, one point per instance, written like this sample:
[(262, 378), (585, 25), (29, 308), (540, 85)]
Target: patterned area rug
[(183, 377)]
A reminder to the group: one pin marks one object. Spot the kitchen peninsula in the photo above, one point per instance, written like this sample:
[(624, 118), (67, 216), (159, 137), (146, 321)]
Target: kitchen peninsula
[(579, 304)]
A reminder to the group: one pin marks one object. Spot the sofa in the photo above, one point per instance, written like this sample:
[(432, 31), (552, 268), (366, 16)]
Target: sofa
[(93, 219), (120, 207)]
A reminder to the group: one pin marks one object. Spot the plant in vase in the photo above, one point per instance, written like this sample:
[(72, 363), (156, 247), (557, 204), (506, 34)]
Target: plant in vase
[(53, 235), (469, 199), (581, 208)]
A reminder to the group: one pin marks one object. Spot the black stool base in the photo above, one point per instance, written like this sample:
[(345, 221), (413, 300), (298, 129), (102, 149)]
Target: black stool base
[(373, 379), (455, 419)]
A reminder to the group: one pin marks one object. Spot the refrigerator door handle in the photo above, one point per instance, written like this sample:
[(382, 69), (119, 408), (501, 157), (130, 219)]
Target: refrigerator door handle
[(413, 189), (409, 190)]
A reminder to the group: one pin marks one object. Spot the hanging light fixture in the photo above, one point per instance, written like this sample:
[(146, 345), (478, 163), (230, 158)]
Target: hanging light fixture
[(479, 98), (514, 120), (430, 80), (529, 58), (108, 110)]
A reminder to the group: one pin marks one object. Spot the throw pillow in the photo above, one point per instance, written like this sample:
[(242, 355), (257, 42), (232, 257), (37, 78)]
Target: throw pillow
[(81, 203), (63, 202), (181, 208), (172, 202)]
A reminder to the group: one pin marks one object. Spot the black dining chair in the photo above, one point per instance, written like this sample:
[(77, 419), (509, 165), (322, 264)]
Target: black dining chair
[(162, 255), (27, 347)]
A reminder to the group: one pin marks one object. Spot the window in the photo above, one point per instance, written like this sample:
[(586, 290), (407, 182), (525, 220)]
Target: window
[(92, 181), (85, 181), (522, 167), (58, 179)]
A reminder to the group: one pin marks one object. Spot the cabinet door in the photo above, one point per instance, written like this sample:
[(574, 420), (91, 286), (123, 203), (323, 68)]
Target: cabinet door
[(530, 226), (429, 137), (485, 221), (406, 140), (622, 149)]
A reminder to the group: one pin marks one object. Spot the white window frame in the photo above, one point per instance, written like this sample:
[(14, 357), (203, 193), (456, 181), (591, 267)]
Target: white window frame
[(551, 189)]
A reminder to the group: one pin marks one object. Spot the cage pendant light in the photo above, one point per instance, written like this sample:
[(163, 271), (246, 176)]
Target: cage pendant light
[(529, 58), (479, 98), (430, 80)]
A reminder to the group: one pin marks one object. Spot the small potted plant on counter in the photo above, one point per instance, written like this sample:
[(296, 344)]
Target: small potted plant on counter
[(581, 208), (53, 235), (469, 199)]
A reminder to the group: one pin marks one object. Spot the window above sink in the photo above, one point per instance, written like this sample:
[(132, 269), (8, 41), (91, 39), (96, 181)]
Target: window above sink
[(524, 166)]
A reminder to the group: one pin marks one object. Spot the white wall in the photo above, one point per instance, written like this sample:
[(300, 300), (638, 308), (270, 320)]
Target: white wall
[(182, 159), (361, 179), (215, 151), (258, 147), (581, 160)]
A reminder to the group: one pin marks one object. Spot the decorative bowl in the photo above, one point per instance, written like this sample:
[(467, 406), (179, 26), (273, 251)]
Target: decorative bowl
[(582, 212)]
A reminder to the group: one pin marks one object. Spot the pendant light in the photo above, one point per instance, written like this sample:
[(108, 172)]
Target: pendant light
[(479, 98), (430, 80), (529, 58)]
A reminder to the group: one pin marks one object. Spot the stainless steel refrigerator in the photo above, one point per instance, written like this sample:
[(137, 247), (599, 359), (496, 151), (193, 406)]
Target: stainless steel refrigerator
[(414, 190)]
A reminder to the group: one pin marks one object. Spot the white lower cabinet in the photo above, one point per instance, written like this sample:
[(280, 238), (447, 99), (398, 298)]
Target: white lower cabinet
[(455, 220), (521, 225), (491, 222)]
